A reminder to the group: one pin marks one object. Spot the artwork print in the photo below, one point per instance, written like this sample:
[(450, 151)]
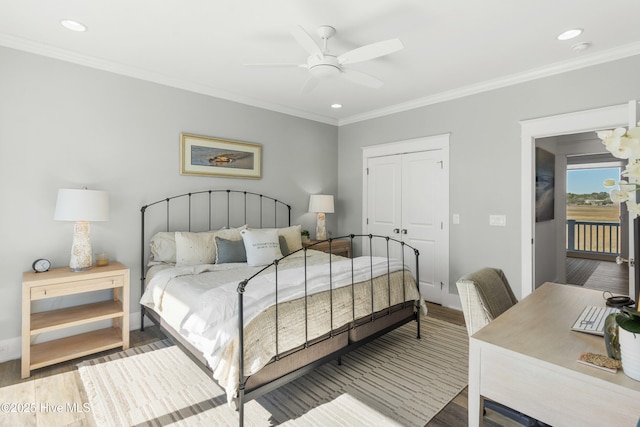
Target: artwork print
[(545, 185), (200, 155)]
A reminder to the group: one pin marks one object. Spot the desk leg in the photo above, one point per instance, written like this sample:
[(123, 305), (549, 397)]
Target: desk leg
[(476, 402)]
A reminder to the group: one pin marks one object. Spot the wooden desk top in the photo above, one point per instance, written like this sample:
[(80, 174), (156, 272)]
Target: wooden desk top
[(539, 326)]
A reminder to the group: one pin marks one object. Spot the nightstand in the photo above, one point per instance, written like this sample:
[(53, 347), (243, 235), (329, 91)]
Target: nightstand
[(338, 247), (61, 282)]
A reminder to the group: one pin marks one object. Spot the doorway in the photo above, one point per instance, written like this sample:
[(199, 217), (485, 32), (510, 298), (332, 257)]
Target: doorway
[(581, 240), (565, 124)]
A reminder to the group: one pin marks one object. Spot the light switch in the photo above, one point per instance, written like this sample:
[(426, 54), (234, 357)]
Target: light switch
[(456, 218), (498, 220)]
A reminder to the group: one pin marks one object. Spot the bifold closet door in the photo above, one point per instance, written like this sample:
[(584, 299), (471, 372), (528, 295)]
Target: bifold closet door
[(404, 197)]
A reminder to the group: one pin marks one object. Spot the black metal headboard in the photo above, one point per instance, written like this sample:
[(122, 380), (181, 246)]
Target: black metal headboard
[(209, 210)]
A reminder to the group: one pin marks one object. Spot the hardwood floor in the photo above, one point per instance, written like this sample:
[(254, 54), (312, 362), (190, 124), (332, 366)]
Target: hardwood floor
[(455, 413), (61, 385), (599, 275)]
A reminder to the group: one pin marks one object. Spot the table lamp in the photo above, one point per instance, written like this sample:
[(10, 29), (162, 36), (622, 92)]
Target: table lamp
[(321, 204), (81, 206)]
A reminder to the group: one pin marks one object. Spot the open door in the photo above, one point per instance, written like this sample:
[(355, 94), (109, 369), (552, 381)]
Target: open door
[(634, 222)]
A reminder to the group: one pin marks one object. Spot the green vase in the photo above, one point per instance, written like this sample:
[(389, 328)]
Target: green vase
[(611, 336)]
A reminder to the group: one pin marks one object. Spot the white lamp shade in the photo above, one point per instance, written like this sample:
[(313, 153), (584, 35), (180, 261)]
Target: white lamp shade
[(82, 205), (321, 203)]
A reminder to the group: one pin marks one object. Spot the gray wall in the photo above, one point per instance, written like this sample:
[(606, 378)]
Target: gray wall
[(485, 176), (68, 126), (63, 125)]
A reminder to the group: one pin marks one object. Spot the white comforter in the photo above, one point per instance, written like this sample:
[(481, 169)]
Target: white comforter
[(201, 301)]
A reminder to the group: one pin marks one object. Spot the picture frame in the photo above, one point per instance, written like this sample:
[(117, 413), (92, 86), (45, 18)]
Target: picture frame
[(545, 185), (207, 156)]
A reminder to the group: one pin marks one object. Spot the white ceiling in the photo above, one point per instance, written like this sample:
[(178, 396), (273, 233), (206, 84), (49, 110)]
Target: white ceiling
[(452, 47)]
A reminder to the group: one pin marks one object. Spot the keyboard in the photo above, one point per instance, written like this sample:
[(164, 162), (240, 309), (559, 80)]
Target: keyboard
[(591, 320)]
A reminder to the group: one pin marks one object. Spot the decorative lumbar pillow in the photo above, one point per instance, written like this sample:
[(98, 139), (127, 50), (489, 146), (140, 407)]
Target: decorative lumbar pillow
[(284, 248), (163, 247), (195, 248), (228, 251), (262, 246)]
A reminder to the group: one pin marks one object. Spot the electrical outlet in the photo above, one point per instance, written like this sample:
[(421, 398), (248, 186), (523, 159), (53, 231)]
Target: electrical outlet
[(4, 349), (456, 218)]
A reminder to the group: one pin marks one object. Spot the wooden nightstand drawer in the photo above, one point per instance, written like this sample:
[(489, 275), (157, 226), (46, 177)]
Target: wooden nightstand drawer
[(70, 288)]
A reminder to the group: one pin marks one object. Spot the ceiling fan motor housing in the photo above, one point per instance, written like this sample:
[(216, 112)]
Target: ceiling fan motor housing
[(324, 67)]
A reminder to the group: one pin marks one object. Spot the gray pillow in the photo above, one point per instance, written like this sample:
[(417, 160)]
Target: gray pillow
[(230, 251), (284, 248)]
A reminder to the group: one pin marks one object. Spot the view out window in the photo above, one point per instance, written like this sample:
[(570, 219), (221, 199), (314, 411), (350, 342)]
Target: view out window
[(593, 220)]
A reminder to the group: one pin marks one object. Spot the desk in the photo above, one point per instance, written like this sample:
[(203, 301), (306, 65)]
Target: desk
[(526, 360)]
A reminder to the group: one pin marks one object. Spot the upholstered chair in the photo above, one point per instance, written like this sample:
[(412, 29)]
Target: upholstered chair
[(484, 295)]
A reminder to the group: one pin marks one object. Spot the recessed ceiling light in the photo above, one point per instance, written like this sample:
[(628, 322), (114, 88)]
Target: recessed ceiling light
[(72, 25), (570, 34), (336, 106)]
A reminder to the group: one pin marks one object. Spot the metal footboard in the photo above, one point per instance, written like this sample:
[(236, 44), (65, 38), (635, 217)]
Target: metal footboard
[(241, 395)]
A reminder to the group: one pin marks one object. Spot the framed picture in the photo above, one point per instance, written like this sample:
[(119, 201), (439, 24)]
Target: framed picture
[(545, 185), (201, 155)]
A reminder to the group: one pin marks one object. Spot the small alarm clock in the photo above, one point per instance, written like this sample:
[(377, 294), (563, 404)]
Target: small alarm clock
[(41, 265)]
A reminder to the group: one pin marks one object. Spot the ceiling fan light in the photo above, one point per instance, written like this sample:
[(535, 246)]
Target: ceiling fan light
[(323, 71)]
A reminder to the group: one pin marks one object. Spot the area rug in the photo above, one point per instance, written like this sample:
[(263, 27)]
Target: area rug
[(396, 380)]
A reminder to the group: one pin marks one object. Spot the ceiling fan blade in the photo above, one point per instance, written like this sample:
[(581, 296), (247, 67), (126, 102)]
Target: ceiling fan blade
[(276, 65), (305, 40), (362, 78), (310, 84), (370, 51)]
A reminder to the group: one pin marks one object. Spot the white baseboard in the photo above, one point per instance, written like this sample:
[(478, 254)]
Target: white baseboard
[(11, 348), (452, 301)]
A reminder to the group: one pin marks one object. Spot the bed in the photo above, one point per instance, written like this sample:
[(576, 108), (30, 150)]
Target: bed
[(225, 275)]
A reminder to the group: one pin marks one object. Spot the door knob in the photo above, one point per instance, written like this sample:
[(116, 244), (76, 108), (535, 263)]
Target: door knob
[(396, 230), (404, 231)]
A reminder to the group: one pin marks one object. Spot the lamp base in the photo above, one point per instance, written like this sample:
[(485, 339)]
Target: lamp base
[(81, 248), (321, 229)]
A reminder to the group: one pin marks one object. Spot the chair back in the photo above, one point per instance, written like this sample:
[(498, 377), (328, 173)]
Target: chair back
[(484, 294)]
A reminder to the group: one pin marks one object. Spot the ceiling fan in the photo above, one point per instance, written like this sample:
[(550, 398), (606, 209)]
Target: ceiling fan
[(322, 64)]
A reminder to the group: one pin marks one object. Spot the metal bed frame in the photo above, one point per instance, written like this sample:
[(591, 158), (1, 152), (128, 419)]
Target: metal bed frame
[(358, 332)]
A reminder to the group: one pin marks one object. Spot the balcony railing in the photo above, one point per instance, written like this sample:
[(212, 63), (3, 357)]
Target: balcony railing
[(602, 238)]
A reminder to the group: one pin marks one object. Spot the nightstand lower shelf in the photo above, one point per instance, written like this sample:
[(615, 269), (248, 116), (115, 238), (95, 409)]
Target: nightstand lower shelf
[(60, 350), (73, 316)]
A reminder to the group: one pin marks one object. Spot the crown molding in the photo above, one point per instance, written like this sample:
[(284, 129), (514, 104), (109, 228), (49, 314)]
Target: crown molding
[(116, 68), (513, 79), (621, 52)]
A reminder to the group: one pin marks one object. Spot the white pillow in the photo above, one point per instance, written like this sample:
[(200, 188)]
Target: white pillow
[(262, 246), (163, 247), (195, 248)]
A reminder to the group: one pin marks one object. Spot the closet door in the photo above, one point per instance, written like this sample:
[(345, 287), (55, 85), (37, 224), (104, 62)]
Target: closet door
[(384, 211), (422, 219), (404, 201)]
